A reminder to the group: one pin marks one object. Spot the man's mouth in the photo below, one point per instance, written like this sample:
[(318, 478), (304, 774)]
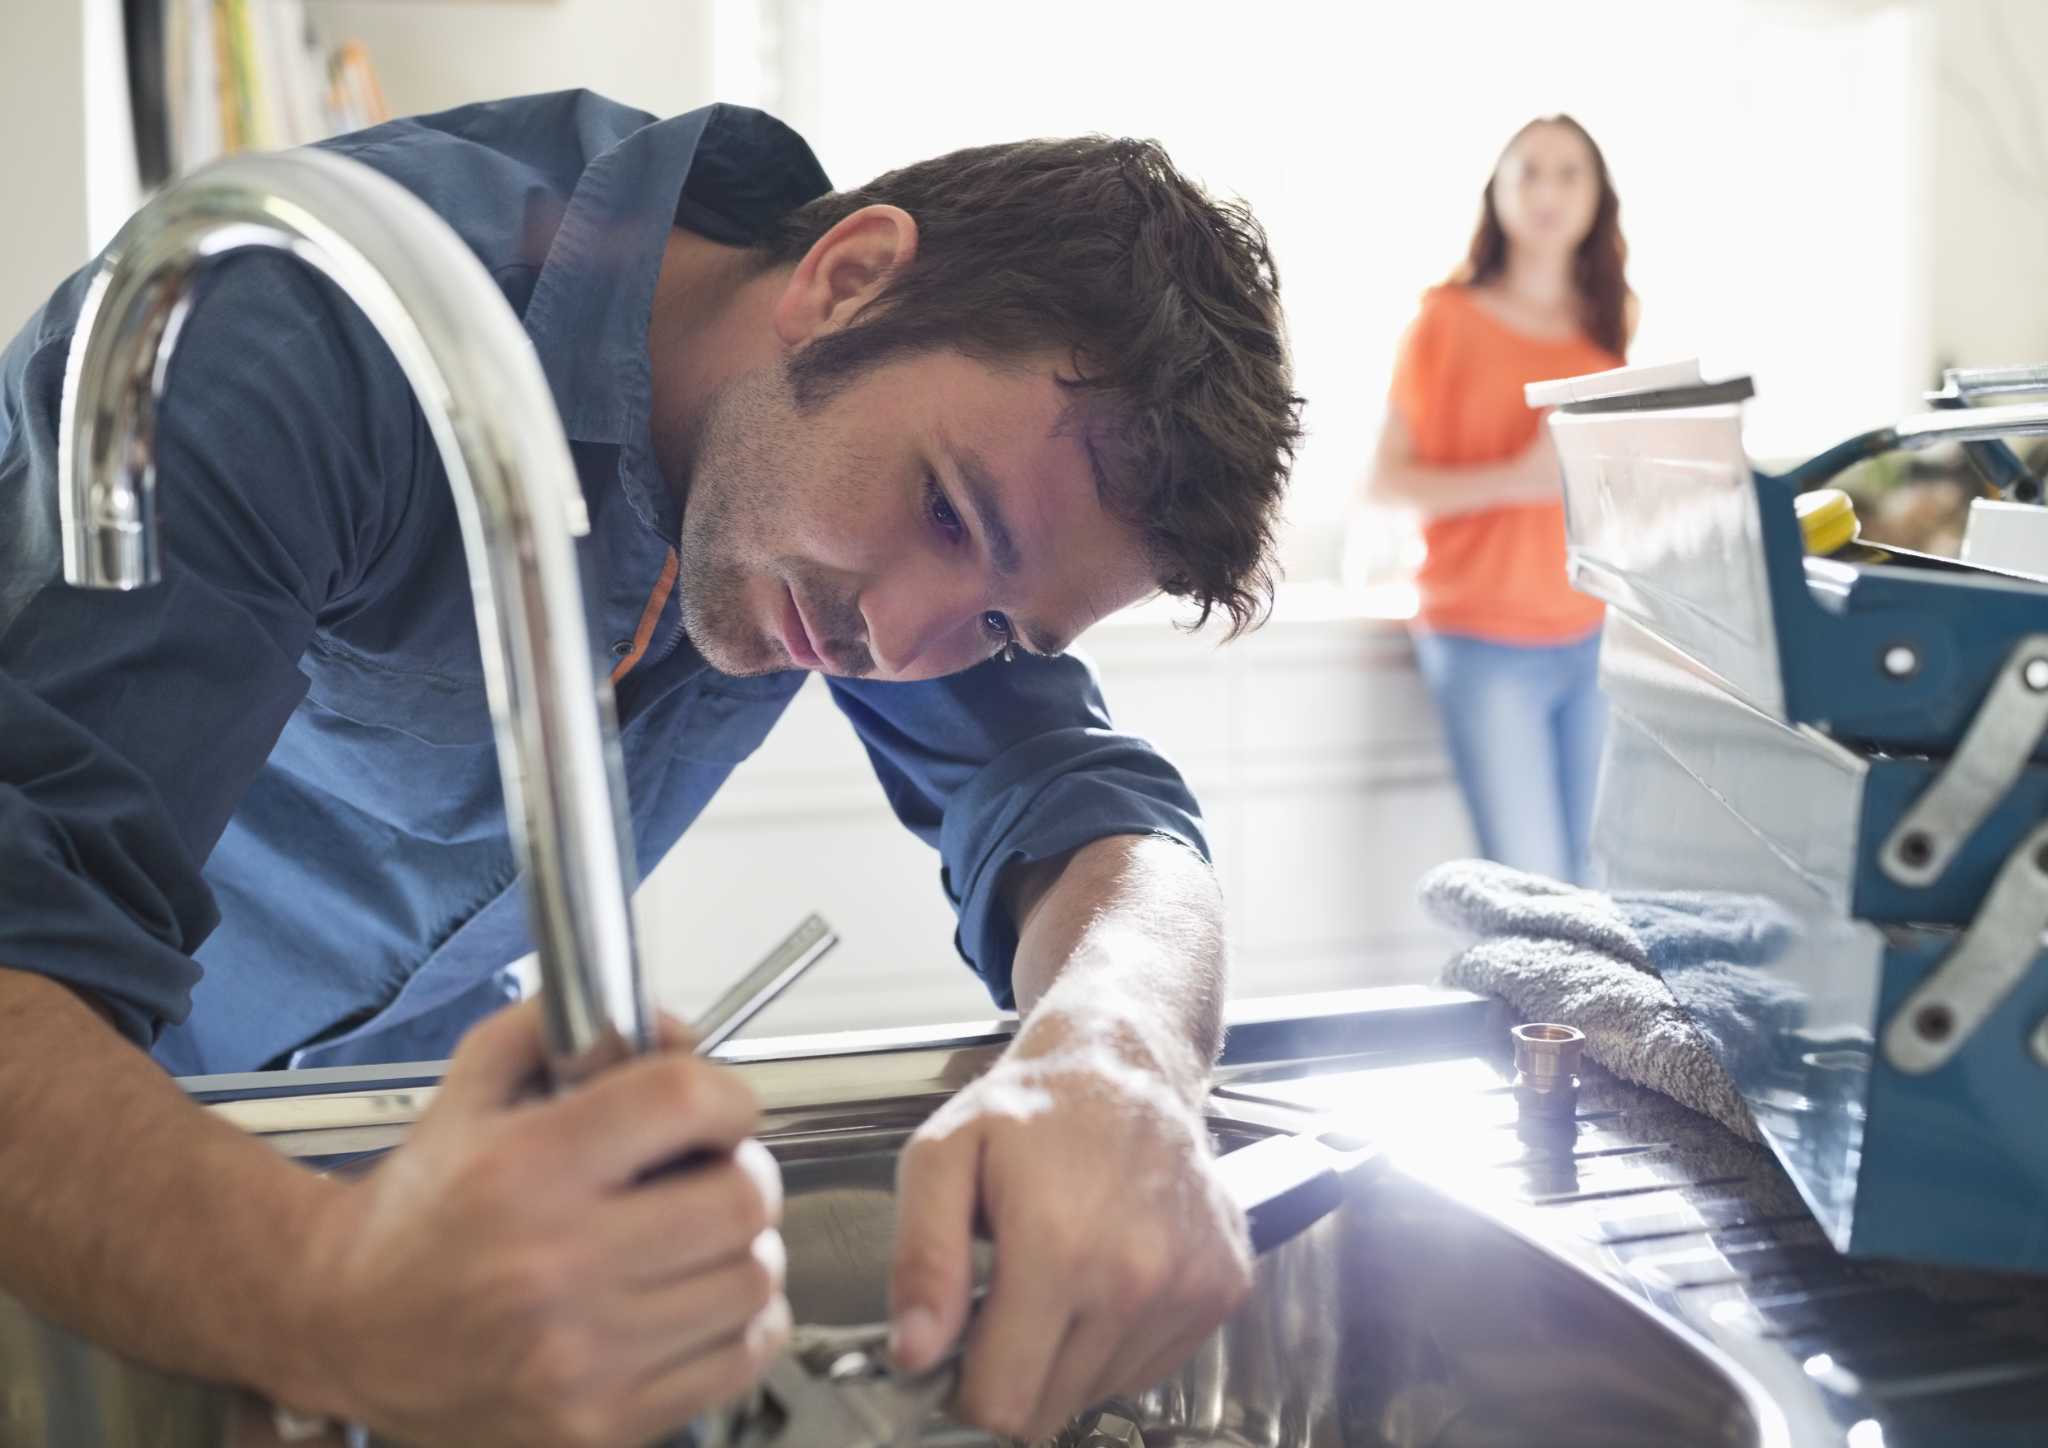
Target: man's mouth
[(796, 638)]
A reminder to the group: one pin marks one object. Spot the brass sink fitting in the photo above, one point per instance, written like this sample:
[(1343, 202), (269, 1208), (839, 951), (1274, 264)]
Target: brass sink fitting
[(1547, 1070)]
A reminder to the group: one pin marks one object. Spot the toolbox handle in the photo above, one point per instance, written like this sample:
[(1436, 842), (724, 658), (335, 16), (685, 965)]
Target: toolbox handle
[(1969, 382), (2026, 419)]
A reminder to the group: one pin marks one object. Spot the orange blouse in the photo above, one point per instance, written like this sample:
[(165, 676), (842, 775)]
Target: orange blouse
[(1497, 573)]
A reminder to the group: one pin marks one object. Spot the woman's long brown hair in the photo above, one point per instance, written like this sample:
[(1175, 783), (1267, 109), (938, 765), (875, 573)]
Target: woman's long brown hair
[(1599, 272)]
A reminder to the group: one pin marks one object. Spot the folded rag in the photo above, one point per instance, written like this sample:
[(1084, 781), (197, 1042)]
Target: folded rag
[(1559, 953)]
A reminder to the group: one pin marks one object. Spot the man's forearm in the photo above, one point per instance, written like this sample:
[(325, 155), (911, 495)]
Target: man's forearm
[(1122, 942), (1083, 1153), (133, 1216)]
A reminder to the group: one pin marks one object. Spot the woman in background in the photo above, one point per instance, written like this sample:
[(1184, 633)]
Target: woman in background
[(1508, 648)]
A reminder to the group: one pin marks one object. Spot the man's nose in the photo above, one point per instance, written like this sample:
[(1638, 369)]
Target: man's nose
[(912, 616)]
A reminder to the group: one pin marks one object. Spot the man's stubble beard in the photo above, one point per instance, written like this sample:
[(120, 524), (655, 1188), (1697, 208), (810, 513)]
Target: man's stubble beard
[(742, 488), (727, 502)]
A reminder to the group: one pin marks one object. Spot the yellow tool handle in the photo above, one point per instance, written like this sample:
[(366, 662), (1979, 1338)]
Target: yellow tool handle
[(1827, 519)]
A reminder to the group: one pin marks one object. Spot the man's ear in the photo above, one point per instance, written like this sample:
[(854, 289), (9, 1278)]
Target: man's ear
[(844, 270)]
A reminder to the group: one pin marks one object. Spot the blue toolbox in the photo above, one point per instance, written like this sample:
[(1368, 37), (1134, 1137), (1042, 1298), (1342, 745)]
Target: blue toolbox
[(1857, 745)]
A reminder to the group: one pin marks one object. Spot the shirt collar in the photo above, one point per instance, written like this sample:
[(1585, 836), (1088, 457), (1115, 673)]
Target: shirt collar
[(724, 171)]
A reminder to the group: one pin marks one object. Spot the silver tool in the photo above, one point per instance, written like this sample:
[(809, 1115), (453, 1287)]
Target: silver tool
[(835, 1386), (748, 996)]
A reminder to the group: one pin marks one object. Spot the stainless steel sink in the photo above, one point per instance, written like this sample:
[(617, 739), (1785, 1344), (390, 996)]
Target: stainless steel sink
[(1408, 1317), (1405, 1319)]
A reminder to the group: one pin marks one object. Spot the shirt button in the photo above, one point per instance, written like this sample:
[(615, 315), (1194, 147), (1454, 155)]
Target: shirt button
[(621, 647)]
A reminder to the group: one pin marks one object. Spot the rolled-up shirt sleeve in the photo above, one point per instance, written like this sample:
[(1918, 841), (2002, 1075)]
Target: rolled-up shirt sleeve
[(1008, 764), (131, 724)]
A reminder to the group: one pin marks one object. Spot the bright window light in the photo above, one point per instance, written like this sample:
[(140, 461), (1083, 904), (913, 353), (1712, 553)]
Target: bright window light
[(1766, 155)]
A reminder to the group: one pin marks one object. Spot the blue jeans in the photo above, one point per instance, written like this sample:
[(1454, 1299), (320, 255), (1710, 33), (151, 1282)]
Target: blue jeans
[(1524, 724)]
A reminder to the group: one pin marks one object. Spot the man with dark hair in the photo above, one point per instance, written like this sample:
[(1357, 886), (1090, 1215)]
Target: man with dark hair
[(917, 437)]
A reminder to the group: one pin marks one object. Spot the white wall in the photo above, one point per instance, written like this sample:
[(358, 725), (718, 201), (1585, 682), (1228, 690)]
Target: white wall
[(43, 185), (1990, 204), (67, 175), (64, 167), (429, 54)]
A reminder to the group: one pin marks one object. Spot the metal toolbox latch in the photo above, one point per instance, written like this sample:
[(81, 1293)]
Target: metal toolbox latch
[(2002, 736), (1939, 1015)]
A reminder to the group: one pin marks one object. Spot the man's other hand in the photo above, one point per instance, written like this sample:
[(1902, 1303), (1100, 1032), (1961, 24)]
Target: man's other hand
[(1117, 1250), (520, 1272)]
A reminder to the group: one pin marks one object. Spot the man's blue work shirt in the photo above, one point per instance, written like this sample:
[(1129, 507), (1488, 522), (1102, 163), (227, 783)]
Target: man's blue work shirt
[(278, 764)]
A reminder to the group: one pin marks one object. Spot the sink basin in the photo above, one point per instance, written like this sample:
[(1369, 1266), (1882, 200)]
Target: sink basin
[(1408, 1317), (1404, 1319)]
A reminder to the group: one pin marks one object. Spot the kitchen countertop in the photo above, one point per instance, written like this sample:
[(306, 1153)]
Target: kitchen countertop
[(1680, 1214)]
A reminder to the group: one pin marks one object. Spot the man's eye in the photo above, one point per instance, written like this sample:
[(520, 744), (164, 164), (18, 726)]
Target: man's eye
[(997, 627), (940, 510)]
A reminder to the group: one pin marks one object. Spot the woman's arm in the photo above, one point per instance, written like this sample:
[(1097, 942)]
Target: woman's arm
[(1396, 479)]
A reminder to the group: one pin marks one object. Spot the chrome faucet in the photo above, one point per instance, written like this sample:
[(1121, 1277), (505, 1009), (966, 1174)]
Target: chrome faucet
[(500, 438)]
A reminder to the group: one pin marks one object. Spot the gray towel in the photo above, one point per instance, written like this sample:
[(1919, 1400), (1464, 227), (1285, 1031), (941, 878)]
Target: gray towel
[(1559, 953)]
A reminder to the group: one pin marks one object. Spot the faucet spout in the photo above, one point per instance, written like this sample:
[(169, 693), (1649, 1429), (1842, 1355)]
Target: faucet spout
[(493, 419)]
